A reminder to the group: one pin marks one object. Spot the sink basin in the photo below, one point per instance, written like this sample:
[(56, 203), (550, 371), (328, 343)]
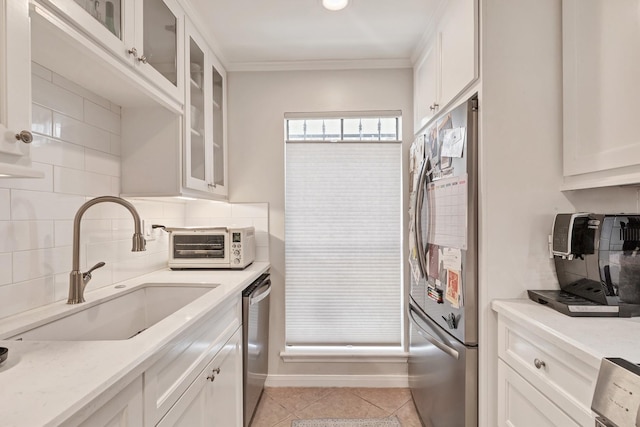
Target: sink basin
[(119, 317)]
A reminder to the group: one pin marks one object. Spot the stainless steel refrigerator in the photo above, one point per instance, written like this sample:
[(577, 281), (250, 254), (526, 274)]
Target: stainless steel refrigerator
[(443, 308)]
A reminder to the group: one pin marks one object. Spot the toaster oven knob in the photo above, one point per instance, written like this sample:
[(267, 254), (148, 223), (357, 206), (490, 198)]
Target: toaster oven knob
[(236, 252), (236, 261)]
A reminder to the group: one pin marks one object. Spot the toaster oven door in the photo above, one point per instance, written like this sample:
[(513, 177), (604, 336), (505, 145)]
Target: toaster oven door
[(208, 249)]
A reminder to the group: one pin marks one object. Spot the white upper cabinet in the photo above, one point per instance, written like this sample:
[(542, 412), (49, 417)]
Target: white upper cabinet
[(168, 155), (205, 138), (15, 90), (601, 56), (448, 62), (146, 35)]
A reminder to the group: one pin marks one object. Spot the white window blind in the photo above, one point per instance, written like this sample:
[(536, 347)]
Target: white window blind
[(343, 243)]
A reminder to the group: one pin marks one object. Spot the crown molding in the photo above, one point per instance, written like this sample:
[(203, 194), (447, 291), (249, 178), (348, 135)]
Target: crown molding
[(339, 64)]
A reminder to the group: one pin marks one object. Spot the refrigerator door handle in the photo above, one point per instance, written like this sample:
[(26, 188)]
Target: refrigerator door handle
[(433, 340), (265, 288), (425, 171)]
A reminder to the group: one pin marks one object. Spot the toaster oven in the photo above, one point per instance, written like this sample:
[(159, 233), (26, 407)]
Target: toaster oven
[(211, 247)]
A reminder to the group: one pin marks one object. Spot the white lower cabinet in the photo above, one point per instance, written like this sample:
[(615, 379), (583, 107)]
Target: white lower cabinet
[(215, 397), (541, 382), (124, 410), (521, 405)]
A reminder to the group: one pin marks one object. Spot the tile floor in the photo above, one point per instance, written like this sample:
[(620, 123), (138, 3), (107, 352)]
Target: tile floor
[(280, 405)]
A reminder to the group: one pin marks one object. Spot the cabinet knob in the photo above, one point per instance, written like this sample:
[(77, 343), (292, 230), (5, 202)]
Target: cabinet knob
[(434, 106), (143, 59), (211, 185), (539, 364), (133, 51), (24, 136)]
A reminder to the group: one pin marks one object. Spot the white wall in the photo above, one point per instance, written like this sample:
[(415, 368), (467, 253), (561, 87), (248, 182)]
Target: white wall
[(257, 103)]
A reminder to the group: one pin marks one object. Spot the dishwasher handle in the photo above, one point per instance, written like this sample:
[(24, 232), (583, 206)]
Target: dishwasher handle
[(261, 292), (433, 340)]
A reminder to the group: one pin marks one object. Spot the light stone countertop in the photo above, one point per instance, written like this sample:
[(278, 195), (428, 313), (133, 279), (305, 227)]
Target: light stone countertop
[(44, 383), (589, 338)]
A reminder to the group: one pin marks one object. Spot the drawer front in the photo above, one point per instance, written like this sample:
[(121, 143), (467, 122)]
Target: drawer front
[(521, 405), (559, 375), (184, 358)]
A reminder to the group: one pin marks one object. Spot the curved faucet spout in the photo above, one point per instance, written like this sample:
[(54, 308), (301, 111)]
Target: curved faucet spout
[(77, 282)]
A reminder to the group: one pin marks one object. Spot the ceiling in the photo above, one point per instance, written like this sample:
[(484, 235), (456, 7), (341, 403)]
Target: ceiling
[(262, 34)]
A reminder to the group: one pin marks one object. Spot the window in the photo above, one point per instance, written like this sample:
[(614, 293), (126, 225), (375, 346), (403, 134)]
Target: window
[(343, 231)]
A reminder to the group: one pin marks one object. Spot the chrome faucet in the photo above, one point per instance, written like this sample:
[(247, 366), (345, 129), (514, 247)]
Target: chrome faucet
[(77, 279)]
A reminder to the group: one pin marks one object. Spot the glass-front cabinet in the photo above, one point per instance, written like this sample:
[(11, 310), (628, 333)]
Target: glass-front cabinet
[(205, 136), (146, 34)]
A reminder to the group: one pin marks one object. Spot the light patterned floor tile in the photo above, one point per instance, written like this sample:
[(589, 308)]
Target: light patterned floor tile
[(388, 399), (297, 398), (408, 416), (341, 403), (269, 413)]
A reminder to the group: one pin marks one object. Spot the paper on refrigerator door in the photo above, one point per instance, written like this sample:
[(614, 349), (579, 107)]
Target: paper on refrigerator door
[(453, 142), (448, 212)]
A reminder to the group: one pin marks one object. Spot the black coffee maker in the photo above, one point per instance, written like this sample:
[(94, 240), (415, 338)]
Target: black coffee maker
[(597, 260)]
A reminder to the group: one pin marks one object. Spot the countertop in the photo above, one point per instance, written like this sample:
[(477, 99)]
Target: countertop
[(589, 338), (43, 383)]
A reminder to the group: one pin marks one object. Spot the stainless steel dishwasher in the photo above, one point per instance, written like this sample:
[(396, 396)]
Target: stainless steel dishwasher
[(255, 336)]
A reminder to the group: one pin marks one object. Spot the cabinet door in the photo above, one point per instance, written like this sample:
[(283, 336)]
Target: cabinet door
[(111, 23), (601, 56), (15, 76), (458, 48), (159, 42), (215, 397), (218, 130), (522, 405), (197, 140), (425, 80), (124, 410)]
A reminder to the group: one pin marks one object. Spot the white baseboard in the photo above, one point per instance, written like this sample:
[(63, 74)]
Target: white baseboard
[(374, 381)]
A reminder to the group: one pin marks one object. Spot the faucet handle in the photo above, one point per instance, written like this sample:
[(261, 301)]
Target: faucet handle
[(87, 275)]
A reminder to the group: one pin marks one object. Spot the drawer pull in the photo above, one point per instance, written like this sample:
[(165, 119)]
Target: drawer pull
[(539, 364)]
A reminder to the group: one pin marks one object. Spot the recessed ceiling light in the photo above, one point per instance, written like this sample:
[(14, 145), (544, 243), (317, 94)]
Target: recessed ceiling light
[(335, 4)]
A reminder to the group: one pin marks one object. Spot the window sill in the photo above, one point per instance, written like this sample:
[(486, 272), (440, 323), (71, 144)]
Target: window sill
[(343, 354)]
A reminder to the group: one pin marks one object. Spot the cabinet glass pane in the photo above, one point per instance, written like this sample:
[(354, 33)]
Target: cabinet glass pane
[(108, 13), (160, 39), (196, 112), (218, 130)]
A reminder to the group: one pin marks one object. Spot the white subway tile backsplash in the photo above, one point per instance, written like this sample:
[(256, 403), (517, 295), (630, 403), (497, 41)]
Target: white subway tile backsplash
[(38, 205), (26, 235), (23, 296), (41, 120), (6, 270), (69, 181), (249, 210), (101, 117), (208, 209), (57, 153), (63, 232), (29, 265), (72, 130), (58, 80), (56, 98), (99, 185), (5, 204)]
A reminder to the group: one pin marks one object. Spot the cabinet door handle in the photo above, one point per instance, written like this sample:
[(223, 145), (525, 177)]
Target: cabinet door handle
[(434, 106), (539, 364), (214, 372), (133, 51), (143, 59), (25, 136)]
